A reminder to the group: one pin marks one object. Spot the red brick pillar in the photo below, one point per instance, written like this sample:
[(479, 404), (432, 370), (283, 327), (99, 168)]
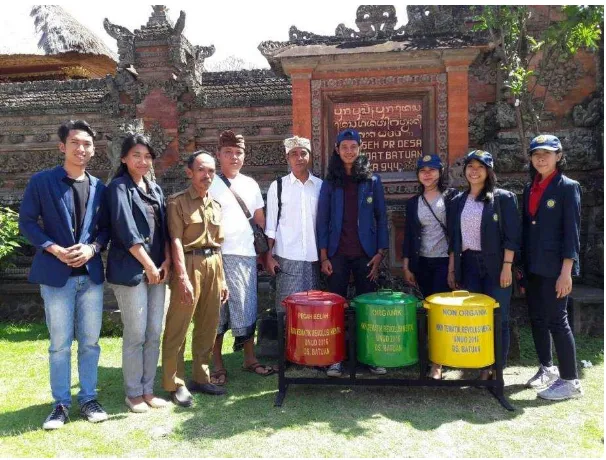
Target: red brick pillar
[(301, 104), (458, 111)]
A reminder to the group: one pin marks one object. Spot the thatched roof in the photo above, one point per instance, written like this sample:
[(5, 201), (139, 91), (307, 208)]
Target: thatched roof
[(62, 33)]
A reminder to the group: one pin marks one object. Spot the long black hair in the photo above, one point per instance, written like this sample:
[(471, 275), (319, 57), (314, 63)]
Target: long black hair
[(487, 192), (441, 181), (129, 142), (560, 165), (360, 170)]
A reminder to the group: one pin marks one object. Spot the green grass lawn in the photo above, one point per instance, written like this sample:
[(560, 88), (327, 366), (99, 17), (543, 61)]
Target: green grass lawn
[(315, 421)]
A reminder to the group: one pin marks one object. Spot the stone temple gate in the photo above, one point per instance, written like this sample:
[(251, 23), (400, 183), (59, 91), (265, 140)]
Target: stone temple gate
[(430, 86)]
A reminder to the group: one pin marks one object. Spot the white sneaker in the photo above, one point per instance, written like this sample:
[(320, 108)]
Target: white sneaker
[(562, 389), (334, 370), (377, 370), (544, 377), (57, 418)]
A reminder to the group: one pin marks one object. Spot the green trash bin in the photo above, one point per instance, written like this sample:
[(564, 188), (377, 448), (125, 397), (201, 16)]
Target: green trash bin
[(386, 328)]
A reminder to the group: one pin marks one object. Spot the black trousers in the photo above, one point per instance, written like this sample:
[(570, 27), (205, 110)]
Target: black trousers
[(549, 319), (342, 266)]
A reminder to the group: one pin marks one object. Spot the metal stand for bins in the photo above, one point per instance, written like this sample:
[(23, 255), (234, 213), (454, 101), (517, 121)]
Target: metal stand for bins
[(495, 386)]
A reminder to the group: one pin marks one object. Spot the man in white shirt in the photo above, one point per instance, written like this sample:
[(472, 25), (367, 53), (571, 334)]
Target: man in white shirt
[(293, 254), (239, 257)]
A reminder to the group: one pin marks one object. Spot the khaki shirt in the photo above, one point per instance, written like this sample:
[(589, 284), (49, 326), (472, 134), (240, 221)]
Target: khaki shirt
[(196, 221)]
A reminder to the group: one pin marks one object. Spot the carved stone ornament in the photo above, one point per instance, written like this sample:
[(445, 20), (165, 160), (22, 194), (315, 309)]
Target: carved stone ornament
[(560, 76), (41, 137), (158, 138), (16, 138), (125, 40), (115, 138)]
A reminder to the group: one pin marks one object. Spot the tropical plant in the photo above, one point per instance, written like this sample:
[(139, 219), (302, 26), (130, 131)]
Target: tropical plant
[(527, 55), (10, 239)]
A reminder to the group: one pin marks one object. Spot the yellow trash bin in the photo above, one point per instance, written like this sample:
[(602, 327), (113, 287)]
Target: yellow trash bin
[(461, 329)]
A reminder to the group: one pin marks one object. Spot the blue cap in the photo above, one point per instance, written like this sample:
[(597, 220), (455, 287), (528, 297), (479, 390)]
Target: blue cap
[(349, 135), (545, 141), (482, 156), (429, 161)]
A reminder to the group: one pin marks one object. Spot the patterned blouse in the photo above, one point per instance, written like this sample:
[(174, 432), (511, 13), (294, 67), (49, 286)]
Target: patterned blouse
[(471, 224), (433, 238)]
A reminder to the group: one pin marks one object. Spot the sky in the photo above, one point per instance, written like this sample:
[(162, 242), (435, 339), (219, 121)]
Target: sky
[(235, 28)]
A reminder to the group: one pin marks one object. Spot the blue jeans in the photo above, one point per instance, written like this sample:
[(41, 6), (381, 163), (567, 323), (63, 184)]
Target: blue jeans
[(76, 307), (142, 310), (477, 279)]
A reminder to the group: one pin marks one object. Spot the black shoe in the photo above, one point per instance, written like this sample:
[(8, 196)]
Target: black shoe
[(182, 397), (57, 418), (93, 412), (208, 388)]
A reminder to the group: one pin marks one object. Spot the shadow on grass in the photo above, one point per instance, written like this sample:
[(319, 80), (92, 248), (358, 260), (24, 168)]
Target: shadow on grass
[(23, 332), (348, 411), (31, 418)]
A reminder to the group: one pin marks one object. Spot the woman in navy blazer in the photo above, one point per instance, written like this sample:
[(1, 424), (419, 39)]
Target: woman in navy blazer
[(138, 263), (351, 222), (484, 232), (550, 252)]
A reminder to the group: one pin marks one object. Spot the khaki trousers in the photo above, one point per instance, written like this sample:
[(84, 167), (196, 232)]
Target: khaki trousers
[(205, 275)]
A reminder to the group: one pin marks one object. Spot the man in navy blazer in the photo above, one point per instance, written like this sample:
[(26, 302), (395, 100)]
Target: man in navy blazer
[(68, 267)]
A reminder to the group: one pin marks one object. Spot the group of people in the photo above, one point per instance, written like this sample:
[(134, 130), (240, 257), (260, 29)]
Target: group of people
[(472, 240), (202, 242)]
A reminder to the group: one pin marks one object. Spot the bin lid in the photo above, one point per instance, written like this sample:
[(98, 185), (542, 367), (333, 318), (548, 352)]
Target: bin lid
[(385, 297), (460, 299), (314, 298)]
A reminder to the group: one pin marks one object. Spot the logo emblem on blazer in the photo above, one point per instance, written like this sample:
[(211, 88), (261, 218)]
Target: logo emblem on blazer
[(427, 158), (369, 200), (551, 203), (495, 217)]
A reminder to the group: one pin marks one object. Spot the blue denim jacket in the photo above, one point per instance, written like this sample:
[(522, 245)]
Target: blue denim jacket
[(48, 197), (372, 216)]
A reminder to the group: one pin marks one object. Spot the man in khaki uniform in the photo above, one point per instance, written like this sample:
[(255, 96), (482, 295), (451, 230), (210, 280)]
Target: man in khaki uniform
[(198, 286)]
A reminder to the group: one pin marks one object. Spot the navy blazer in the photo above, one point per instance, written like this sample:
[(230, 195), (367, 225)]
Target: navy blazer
[(495, 238), (411, 247), (48, 197), (126, 217), (553, 234), (372, 216)]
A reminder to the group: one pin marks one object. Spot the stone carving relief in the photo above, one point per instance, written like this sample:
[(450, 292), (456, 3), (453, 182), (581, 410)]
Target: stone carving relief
[(115, 138), (436, 19), (482, 123), (257, 153), (589, 113), (41, 137), (33, 161), (485, 69), (126, 43), (505, 116), (15, 138), (560, 75), (158, 138)]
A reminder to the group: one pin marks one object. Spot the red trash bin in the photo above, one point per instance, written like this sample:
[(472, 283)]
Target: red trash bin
[(315, 328)]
